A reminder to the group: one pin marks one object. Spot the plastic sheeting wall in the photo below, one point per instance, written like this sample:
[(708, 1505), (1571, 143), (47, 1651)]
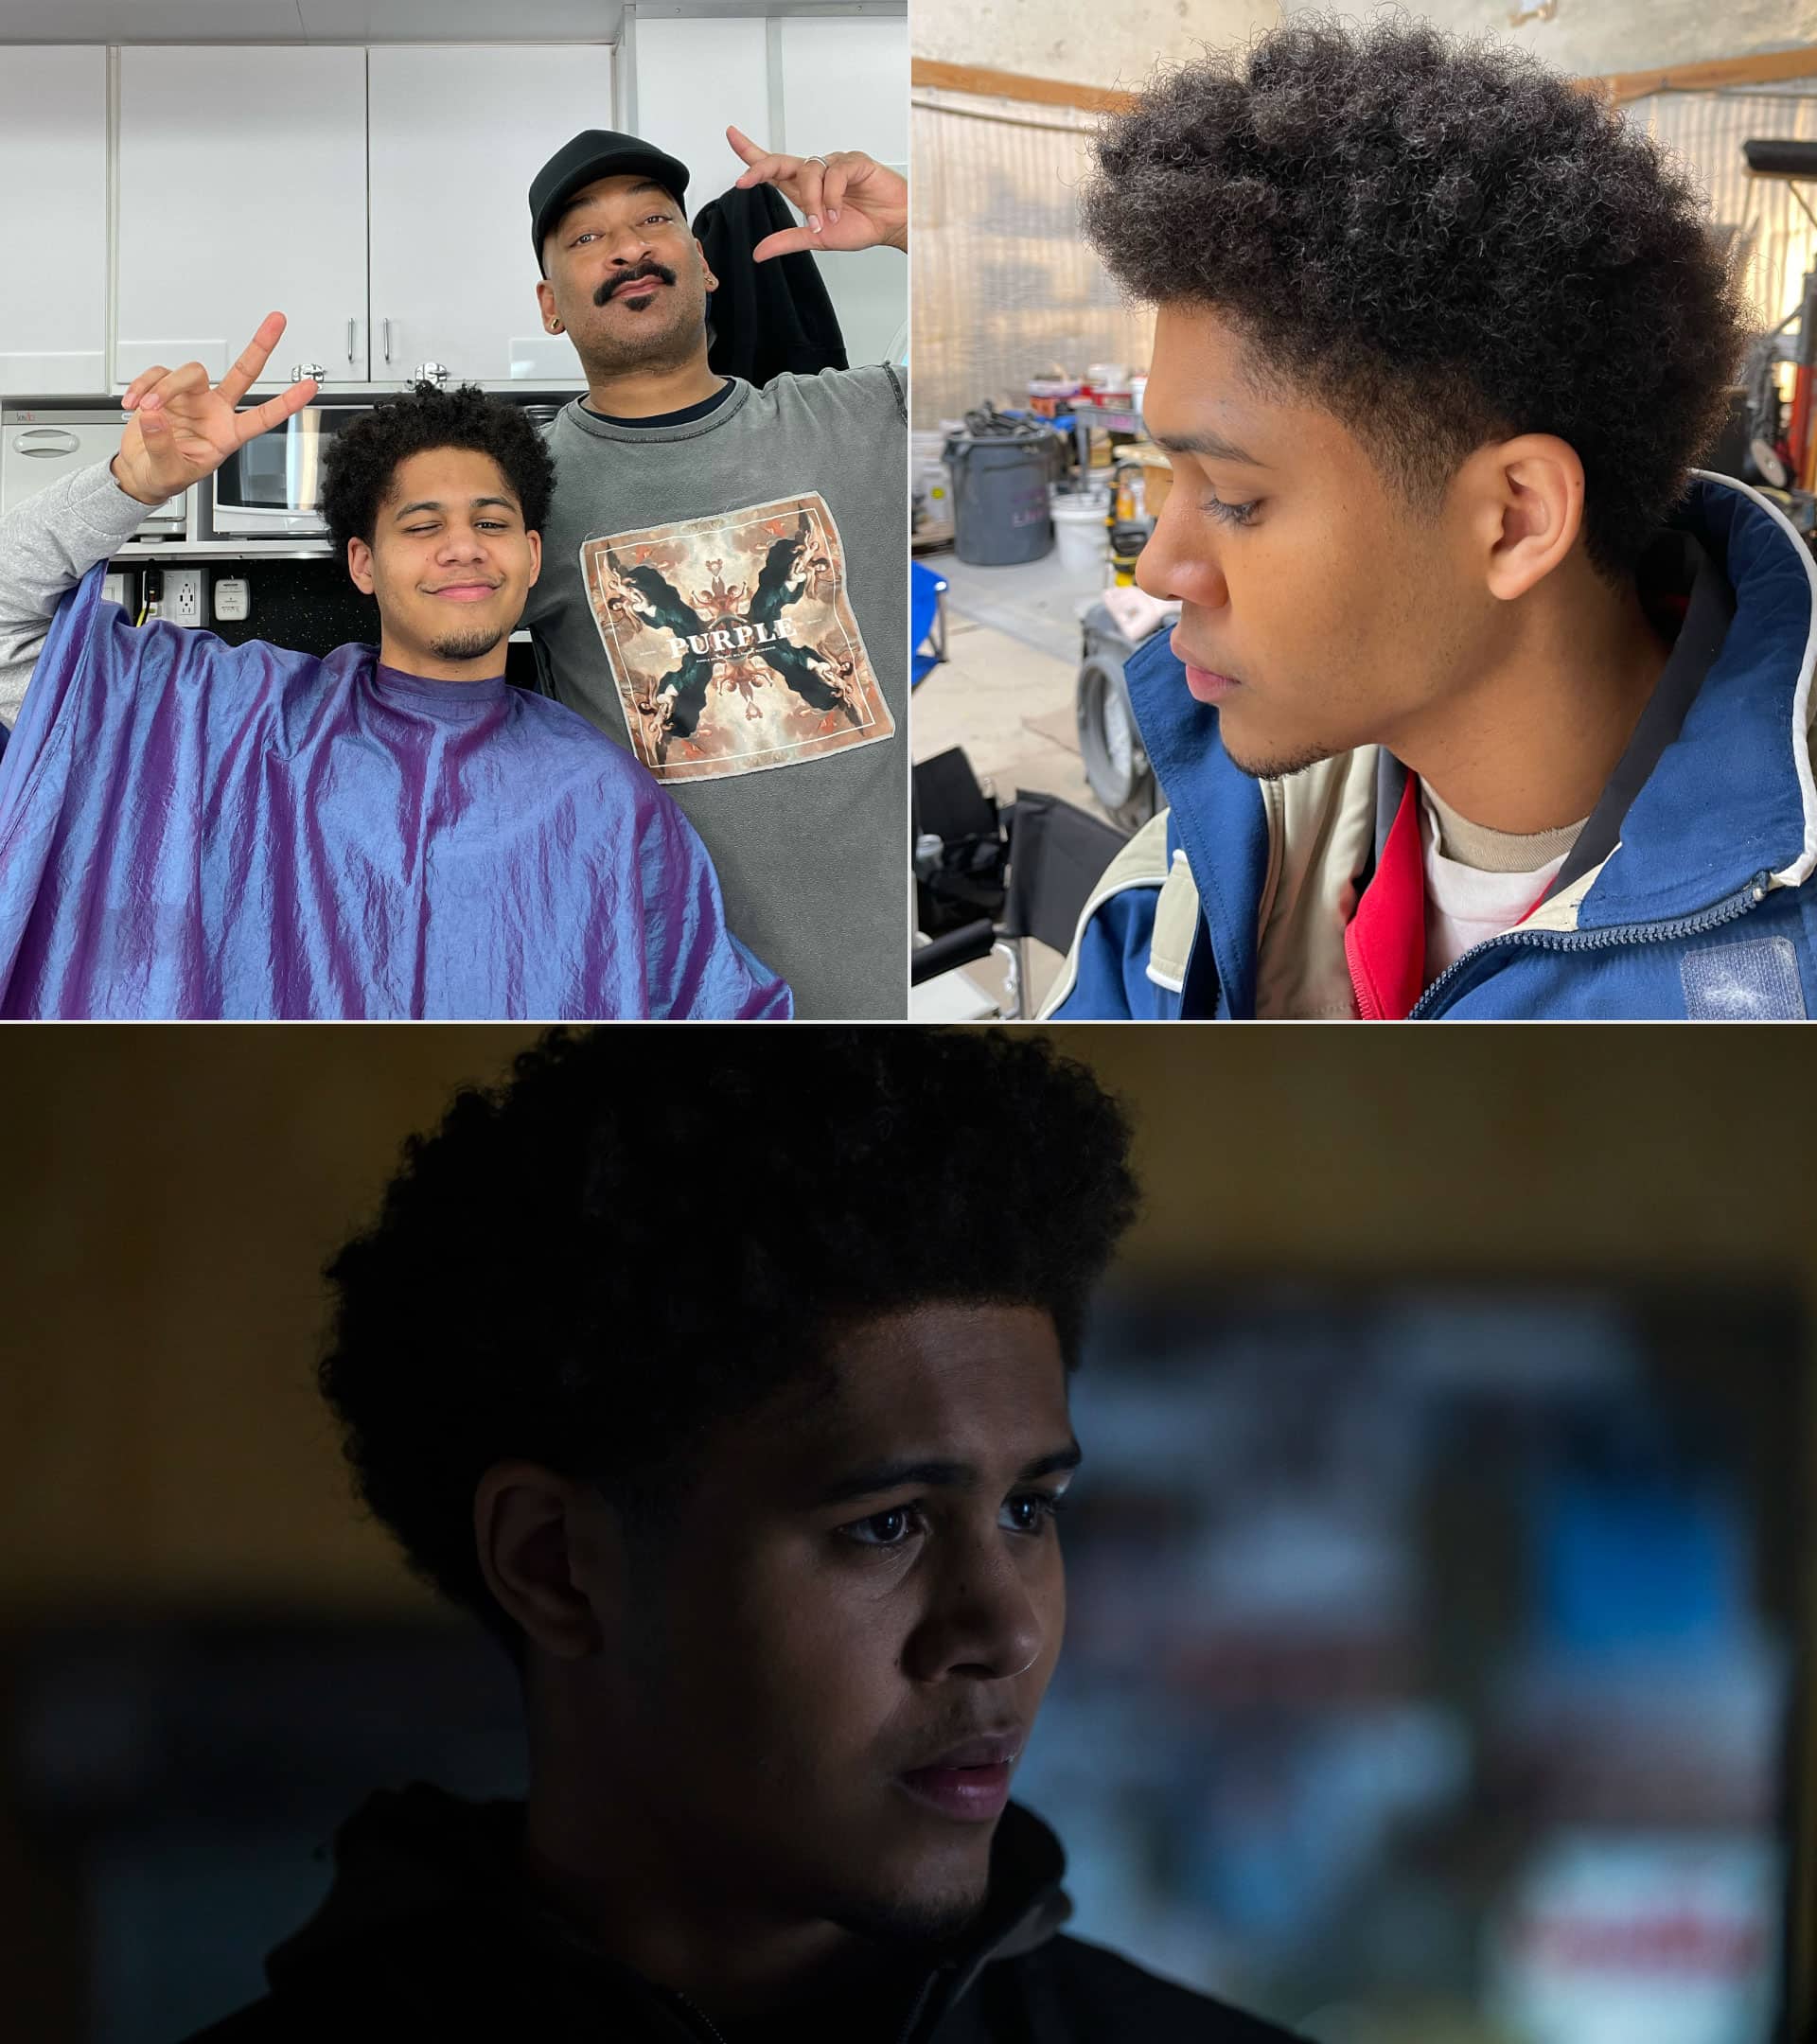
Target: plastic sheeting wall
[(1004, 283), (1705, 130)]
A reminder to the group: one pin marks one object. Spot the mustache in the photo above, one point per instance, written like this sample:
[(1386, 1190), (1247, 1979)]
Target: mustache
[(657, 270)]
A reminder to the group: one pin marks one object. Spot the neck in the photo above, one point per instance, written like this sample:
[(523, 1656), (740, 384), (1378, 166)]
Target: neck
[(646, 390), (622, 1887), (427, 667), (1529, 744)]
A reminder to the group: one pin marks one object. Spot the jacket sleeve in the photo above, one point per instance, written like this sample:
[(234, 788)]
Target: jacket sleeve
[(47, 544), (1106, 976), (694, 966)]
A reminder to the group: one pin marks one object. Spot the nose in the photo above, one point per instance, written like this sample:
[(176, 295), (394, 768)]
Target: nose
[(984, 1619), (462, 543), (1180, 562)]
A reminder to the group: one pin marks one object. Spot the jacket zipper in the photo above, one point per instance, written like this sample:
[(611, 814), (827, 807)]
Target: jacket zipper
[(1751, 897), (698, 2017)]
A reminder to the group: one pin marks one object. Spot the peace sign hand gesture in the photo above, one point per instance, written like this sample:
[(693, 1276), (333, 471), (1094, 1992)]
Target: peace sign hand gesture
[(852, 201), (179, 430)]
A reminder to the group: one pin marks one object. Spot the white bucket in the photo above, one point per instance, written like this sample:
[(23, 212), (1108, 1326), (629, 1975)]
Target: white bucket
[(1079, 533)]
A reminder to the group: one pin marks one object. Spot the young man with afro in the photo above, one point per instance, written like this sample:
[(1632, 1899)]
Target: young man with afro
[(749, 1451), (1483, 700), (195, 830)]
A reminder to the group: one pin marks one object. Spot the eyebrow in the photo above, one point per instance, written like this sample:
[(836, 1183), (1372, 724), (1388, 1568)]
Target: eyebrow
[(1213, 446), (876, 1477), (599, 199), (431, 504)]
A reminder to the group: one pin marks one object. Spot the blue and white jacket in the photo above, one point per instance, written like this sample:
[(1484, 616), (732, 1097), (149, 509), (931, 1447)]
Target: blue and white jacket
[(1695, 899)]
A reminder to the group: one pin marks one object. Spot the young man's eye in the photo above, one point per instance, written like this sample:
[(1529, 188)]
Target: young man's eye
[(1231, 514), (1031, 1511), (884, 1529)]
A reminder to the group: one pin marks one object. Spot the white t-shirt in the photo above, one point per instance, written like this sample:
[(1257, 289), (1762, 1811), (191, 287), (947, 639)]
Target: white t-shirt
[(1481, 881)]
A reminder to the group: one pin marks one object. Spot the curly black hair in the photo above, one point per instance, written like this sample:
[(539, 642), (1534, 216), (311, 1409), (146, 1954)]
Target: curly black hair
[(638, 1237), (1441, 242), (361, 461)]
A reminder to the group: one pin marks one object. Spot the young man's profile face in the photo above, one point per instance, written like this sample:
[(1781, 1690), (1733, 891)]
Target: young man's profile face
[(627, 278), (1319, 610), (841, 1646), (451, 562)]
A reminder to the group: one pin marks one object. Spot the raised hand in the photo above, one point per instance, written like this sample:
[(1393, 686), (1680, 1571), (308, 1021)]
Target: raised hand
[(852, 201), (179, 429)]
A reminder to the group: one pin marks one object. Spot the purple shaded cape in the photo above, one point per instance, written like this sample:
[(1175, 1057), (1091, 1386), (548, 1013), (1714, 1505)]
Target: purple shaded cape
[(189, 830)]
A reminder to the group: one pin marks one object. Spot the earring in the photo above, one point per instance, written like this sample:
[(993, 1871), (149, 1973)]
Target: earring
[(554, 326)]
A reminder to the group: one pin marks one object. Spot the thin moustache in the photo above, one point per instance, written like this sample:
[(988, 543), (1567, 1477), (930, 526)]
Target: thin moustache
[(995, 1749)]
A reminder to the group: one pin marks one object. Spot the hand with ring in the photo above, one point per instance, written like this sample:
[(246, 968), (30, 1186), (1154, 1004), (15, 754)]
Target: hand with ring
[(851, 201)]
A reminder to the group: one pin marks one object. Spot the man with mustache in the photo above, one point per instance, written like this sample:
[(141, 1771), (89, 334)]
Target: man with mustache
[(1484, 702), (194, 829), (664, 465), (749, 1450)]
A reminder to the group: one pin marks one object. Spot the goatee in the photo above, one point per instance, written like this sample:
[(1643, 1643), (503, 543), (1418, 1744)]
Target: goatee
[(465, 645)]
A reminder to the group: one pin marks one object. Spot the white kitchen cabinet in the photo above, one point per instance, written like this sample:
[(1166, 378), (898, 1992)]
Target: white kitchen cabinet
[(456, 137), (53, 221), (244, 190)]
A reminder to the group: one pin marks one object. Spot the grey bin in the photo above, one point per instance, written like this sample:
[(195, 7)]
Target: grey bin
[(1000, 497)]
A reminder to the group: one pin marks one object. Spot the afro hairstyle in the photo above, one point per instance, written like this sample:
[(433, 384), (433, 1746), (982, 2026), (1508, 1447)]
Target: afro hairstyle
[(361, 461), (594, 1264), (1443, 245)]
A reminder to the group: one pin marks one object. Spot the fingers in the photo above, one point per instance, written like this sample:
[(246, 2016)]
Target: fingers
[(744, 144), (790, 241), (838, 175), (172, 385), (273, 411), (146, 379), (809, 183), (253, 357)]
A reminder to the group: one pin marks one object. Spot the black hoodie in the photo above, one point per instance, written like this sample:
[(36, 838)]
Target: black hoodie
[(429, 1930)]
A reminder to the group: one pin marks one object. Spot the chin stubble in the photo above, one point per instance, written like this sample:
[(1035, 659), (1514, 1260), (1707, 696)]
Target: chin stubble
[(465, 645)]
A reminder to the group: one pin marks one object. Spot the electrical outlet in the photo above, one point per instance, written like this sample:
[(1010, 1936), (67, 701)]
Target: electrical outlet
[(233, 600), (182, 595)]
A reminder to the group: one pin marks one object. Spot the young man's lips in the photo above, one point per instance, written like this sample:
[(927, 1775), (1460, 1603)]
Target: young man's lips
[(466, 591), (972, 1794), (1206, 683), (1210, 687), (970, 1782)]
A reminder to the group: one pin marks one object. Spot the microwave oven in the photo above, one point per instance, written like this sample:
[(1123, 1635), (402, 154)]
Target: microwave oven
[(270, 488)]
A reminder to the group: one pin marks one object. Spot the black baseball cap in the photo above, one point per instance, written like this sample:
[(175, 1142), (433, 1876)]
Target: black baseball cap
[(598, 154)]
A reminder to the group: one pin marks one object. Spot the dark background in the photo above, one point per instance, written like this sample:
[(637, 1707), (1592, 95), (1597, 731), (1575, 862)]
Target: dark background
[(202, 1645)]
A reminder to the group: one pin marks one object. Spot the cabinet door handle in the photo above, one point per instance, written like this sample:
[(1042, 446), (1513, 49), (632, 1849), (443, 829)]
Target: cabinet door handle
[(350, 326), (387, 340)]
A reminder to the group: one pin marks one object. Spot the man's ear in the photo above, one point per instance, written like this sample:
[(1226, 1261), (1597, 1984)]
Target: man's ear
[(706, 268), (546, 300), (360, 564), (1523, 501), (535, 555), (552, 1554)]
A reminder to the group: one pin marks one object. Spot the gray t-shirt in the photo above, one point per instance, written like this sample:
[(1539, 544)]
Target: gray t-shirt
[(727, 598)]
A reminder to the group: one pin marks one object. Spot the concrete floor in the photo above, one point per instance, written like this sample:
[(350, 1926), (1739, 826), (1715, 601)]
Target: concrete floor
[(1004, 692)]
